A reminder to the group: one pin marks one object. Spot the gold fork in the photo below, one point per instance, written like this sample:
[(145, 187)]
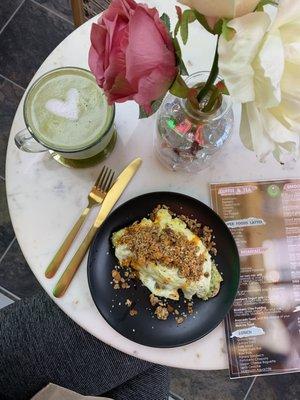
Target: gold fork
[(95, 197)]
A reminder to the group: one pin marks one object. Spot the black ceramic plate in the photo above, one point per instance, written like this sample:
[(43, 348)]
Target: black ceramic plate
[(144, 328)]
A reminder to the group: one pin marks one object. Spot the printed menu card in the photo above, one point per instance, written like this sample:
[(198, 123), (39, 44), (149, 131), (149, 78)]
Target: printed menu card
[(263, 326)]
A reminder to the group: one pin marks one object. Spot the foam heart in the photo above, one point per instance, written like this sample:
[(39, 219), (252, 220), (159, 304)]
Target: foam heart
[(67, 109)]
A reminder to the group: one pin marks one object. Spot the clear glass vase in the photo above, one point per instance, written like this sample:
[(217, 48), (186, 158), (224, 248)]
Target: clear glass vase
[(187, 139)]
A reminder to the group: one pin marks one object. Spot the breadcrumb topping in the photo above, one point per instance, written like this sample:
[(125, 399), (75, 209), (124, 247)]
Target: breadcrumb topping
[(203, 231), (170, 248), (149, 243)]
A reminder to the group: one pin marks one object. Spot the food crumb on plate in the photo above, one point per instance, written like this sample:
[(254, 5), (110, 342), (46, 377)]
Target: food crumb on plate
[(170, 308), (133, 312), (161, 312), (179, 320), (128, 302), (153, 299)]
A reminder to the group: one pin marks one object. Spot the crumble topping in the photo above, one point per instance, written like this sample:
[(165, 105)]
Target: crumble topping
[(122, 276), (203, 231), (167, 247), (153, 299)]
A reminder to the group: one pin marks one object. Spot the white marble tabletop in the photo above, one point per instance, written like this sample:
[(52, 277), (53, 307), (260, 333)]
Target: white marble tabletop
[(45, 198)]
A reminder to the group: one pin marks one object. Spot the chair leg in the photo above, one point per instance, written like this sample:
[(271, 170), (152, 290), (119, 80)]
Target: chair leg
[(78, 15)]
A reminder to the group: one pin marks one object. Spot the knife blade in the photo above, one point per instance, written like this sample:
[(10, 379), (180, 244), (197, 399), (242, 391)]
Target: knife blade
[(110, 200), (117, 189)]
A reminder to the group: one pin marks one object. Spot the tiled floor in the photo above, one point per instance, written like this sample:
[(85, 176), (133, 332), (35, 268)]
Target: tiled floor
[(29, 30)]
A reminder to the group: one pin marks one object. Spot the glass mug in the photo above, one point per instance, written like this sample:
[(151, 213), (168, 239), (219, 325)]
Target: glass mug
[(66, 113)]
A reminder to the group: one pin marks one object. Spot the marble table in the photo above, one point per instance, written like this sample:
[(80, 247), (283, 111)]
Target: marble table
[(45, 198)]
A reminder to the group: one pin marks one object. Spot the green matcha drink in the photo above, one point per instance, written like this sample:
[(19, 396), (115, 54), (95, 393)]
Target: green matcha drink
[(67, 111)]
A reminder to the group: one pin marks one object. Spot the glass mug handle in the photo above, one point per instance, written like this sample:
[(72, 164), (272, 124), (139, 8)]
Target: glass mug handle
[(24, 141)]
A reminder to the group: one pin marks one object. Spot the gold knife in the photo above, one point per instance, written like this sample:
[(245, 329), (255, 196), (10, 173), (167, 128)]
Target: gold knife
[(108, 203)]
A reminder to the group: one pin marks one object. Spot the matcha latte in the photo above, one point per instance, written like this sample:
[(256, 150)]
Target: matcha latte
[(67, 112)]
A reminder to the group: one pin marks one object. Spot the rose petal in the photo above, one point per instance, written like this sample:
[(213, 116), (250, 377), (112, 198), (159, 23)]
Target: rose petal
[(123, 8), (97, 52), (152, 87), (128, 43), (262, 132), (222, 8), (146, 48), (288, 13), (252, 132), (116, 54), (121, 90), (268, 73), (237, 54), (278, 132)]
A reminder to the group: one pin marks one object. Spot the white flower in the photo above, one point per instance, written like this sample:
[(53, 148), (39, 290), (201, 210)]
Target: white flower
[(261, 68), (222, 8)]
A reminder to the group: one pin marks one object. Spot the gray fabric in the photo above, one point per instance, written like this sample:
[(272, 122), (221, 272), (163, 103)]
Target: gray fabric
[(40, 344)]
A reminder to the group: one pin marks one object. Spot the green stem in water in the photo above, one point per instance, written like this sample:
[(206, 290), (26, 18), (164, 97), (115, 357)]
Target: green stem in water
[(213, 98), (212, 76)]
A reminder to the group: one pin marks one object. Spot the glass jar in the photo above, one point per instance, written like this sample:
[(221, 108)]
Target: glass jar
[(188, 139)]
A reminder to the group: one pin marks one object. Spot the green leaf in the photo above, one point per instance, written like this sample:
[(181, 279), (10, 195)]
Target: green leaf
[(202, 20), (156, 104), (218, 27), (176, 30), (179, 88), (142, 113), (262, 3), (227, 32), (182, 68), (215, 94), (184, 27), (179, 60), (177, 49), (166, 20), (222, 87), (212, 75), (191, 15), (188, 16)]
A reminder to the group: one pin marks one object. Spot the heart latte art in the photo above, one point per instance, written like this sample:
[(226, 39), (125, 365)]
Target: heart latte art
[(66, 109)]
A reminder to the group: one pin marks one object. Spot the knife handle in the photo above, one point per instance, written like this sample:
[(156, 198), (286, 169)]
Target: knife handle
[(66, 278), (62, 251)]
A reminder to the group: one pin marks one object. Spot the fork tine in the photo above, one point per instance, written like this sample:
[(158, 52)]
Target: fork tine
[(103, 179), (100, 175), (109, 184), (104, 187)]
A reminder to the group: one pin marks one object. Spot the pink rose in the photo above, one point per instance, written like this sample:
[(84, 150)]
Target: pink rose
[(132, 54)]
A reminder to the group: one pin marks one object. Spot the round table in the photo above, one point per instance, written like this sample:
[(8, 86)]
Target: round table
[(45, 198)]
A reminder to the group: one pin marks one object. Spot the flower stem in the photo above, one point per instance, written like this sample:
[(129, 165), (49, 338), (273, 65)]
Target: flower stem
[(212, 76)]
